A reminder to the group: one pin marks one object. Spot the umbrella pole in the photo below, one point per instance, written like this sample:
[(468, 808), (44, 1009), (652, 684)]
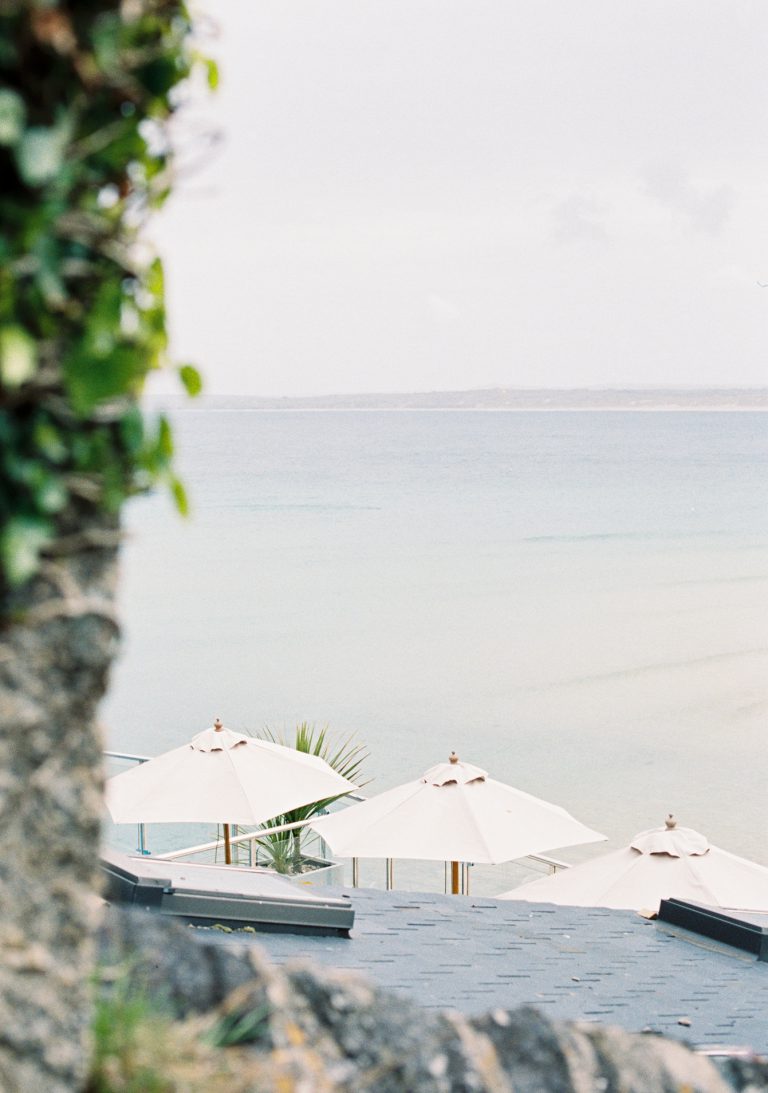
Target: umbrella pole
[(227, 846), (454, 878)]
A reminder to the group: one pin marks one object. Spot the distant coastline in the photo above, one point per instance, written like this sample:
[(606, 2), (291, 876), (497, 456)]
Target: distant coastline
[(514, 398)]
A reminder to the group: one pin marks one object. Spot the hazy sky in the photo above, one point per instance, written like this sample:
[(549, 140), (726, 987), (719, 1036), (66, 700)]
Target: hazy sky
[(426, 194)]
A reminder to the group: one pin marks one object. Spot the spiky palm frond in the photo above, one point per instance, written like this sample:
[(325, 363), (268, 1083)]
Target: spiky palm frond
[(345, 756)]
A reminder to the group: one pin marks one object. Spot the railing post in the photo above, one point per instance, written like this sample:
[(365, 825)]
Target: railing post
[(390, 874), (355, 872), (142, 848)]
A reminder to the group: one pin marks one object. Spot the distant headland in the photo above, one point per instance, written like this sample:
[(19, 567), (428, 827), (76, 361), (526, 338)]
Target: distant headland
[(515, 398)]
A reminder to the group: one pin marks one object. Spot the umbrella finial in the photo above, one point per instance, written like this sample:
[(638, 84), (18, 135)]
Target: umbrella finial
[(218, 725), (453, 757), (670, 822)]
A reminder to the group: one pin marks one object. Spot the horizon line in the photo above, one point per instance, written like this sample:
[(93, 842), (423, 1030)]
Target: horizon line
[(528, 389)]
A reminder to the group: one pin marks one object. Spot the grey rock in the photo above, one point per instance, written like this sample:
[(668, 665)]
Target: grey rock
[(366, 1038), (172, 963), (56, 645), (745, 1073), (528, 1046), (565, 1057), (391, 1042)]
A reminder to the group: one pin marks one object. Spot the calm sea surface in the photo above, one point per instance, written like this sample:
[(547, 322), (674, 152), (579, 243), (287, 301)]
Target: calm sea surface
[(577, 602)]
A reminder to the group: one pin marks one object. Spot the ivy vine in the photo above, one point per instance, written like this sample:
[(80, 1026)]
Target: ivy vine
[(87, 91)]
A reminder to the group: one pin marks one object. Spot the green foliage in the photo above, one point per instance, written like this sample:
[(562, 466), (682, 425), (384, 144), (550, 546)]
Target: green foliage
[(240, 1027), (284, 850), (87, 92), (191, 378), (127, 1029)]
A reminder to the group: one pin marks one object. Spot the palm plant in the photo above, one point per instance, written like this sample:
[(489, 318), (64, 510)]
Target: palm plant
[(346, 756)]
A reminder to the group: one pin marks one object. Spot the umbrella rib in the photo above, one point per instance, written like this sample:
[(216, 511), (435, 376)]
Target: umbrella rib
[(619, 878), (236, 774), (475, 823), (377, 819), (702, 882)]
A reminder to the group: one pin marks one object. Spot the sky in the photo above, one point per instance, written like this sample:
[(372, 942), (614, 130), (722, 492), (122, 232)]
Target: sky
[(411, 195)]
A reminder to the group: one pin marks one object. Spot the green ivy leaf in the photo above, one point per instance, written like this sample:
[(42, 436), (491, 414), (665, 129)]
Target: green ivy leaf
[(164, 438), (18, 356), (155, 279), (106, 42), (21, 541), (49, 441), (103, 322), (40, 151), (180, 496), (132, 430), (52, 288), (50, 495), (11, 117), (191, 378), (91, 381)]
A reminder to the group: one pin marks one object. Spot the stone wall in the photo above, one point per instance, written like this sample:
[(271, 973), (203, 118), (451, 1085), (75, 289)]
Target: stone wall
[(55, 652)]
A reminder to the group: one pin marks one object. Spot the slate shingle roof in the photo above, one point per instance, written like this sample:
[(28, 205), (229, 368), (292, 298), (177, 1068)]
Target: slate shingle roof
[(573, 963)]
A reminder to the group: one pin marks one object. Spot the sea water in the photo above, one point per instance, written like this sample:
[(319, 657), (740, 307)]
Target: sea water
[(576, 602)]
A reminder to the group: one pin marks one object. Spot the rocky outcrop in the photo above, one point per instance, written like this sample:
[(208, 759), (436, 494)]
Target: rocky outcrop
[(55, 649), (172, 963), (307, 1029)]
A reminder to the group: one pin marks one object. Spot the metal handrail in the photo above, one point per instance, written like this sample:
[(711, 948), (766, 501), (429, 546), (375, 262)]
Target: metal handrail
[(235, 840), (553, 863), (141, 828), (128, 756)]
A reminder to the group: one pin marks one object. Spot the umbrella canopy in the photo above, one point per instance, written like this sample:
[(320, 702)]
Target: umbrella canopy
[(455, 812), (221, 776), (668, 861)]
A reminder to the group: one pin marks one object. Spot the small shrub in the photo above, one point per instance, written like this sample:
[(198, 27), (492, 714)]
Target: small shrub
[(240, 1027), (130, 1035), (284, 851)]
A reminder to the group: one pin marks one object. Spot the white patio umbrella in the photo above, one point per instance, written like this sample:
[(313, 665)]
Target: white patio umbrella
[(455, 813), (665, 862), (221, 776)]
